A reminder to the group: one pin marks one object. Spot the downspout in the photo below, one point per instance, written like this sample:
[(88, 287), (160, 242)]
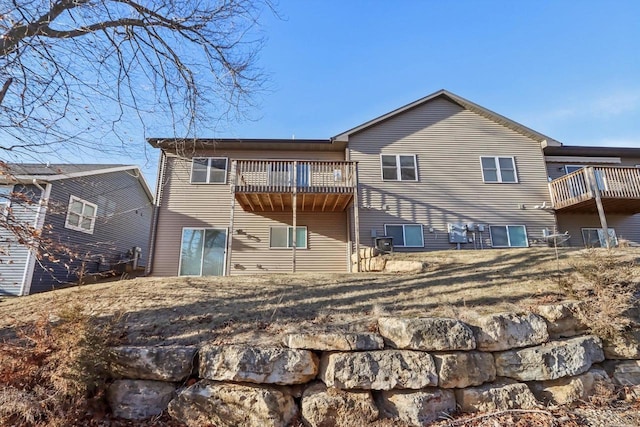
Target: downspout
[(156, 212), (38, 222)]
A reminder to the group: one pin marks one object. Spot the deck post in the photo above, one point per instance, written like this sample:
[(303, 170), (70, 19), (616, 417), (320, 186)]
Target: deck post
[(356, 216), (231, 218), (294, 203), (593, 185)]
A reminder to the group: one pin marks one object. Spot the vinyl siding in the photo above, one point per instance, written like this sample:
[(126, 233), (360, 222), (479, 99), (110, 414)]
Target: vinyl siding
[(556, 170), (448, 141), (13, 256), (626, 226), (183, 204), (123, 221)]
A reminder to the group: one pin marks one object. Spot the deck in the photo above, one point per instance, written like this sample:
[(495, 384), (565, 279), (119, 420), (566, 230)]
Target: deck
[(275, 185), (618, 188)]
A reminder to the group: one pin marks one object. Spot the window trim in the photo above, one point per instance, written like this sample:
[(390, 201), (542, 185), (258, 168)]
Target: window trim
[(526, 235), (615, 236), (404, 235), (209, 159), (5, 204), (204, 229), (70, 226), (399, 169), (499, 171), (289, 227)]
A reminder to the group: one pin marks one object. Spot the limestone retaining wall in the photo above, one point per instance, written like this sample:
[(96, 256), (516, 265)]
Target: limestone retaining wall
[(413, 369)]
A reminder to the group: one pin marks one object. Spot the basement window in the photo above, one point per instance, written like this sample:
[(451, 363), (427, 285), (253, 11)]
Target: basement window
[(508, 236), (594, 237), (281, 237), (405, 235)]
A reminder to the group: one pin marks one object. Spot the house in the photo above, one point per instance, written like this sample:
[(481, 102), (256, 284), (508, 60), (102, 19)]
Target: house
[(438, 173), (92, 218)]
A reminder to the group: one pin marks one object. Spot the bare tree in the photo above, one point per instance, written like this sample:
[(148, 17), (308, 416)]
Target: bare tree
[(83, 75), (74, 68)]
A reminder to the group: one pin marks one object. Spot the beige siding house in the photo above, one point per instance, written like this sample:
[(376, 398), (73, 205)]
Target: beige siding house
[(439, 173)]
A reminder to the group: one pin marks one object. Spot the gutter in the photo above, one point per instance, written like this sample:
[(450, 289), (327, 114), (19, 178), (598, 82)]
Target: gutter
[(156, 213), (38, 223)]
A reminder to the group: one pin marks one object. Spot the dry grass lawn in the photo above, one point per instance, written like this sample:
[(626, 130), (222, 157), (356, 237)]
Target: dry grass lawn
[(163, 311)]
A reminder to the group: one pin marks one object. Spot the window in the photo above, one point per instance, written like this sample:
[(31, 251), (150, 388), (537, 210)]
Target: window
[(498, 169), (508, 236), (594, 237), (5, 199), (405, 235), (81, 215), (572, 168), (399, 167), (209, 170), (202, 252), (282, 237)]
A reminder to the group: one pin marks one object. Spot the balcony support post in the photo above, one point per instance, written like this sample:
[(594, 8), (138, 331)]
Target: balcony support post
[(593, 185), (294, 206), (356, 216), (227, 270)]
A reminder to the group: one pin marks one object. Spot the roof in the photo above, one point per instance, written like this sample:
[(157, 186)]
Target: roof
[(568, 150), (247, 144), (41, 172), (464, 103), (55, 169)]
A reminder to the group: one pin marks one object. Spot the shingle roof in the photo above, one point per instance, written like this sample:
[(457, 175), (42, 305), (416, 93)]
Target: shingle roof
[(54, 168)]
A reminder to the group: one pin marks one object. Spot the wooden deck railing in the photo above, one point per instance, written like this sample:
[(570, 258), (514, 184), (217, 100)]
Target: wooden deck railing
[(283, 176), (581, 185)]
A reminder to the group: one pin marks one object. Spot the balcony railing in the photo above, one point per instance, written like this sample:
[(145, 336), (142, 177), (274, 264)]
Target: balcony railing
[(581, 185), (285, 176)]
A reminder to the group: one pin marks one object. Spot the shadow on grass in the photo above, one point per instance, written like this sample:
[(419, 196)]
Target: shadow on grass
[(229, 310)]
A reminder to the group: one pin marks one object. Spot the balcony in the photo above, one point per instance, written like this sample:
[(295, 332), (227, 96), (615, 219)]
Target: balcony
[(618, 189), (274, 185)]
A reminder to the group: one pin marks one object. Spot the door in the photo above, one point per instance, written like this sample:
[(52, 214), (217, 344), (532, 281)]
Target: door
[(203, 252)]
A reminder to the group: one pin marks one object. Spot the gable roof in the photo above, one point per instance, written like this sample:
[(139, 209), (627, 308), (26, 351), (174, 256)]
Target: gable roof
[(29, 172), (464, 103)]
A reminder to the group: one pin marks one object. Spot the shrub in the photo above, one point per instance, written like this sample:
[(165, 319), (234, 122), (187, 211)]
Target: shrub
[(608, 285), (55, 371)]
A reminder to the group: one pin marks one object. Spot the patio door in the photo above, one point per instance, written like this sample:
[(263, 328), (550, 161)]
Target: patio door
[(203, 252)]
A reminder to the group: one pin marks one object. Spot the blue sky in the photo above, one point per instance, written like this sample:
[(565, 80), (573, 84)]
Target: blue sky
[(568, 69)]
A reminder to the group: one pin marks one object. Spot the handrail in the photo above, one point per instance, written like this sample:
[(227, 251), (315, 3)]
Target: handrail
[(579, 186), (277, 176)]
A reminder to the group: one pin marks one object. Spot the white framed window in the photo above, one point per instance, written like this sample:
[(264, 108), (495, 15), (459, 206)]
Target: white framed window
[(405, 235), (203, 252), (81, 215), (508, 236), (209, 170), (5, 199), (594, 237), (498, 169), (281, 237), (399, 167)]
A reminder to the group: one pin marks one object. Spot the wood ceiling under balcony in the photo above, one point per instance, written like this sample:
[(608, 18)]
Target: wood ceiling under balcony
[(283, 202)]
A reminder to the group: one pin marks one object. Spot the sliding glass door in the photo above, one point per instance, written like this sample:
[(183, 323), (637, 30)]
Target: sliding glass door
[(203, 252)]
